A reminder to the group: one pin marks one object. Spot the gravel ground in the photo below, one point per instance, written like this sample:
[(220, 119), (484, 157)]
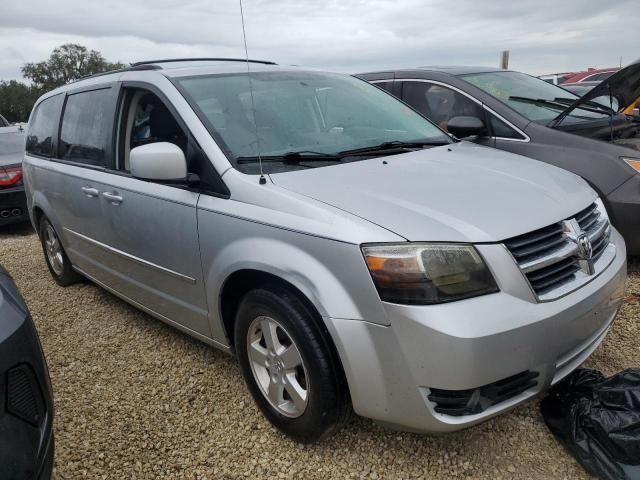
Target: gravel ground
[(137, 399)]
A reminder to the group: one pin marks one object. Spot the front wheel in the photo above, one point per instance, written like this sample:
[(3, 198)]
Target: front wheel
[(290, 367), (57, 260)]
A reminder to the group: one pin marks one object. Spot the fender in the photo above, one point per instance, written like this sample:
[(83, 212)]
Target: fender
[(334, 278)]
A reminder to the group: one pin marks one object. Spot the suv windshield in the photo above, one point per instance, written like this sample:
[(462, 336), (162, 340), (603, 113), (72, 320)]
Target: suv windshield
[(536, 99), (305, 119)]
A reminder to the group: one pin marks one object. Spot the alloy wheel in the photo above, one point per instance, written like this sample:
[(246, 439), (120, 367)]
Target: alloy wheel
[(277, 366), (54, 250)]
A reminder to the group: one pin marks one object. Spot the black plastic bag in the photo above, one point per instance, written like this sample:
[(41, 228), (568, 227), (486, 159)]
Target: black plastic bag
[(598, 420)]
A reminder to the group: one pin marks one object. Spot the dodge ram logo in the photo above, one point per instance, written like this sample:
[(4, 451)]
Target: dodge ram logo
[(584, 253), (584, 246)]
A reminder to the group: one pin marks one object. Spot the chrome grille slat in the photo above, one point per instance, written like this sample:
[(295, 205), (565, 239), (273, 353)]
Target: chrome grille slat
[(598, 245), (538, 247), (580, 216), (539, 274), (518, 242), (598, 231), (590, 220), (566, 251), (564, 275), (550, 257)]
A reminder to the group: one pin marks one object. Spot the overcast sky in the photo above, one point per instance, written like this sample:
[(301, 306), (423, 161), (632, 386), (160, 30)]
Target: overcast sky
[(544, 36)]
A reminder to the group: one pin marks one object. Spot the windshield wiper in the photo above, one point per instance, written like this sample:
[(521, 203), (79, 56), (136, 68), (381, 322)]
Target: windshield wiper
[(539, 101), (562, 104), (390, 148), (293, 157), (393, 146), (597, 107)]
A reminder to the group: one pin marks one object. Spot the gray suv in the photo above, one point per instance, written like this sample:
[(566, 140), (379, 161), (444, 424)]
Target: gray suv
[(348, 251)]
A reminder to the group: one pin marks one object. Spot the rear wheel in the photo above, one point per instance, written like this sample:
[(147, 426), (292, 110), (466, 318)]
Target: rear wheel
[(291, 369), (57, 260)]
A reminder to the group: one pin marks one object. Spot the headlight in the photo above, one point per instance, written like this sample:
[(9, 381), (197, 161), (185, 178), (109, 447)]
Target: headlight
[(632, 162), (427, 273)]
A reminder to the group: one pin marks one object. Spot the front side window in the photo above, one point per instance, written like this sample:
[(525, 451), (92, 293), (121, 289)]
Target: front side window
[(43, 126), (438, 103), (87, 127), (281, 113), (148, 120), (386, 85), (533, 98)]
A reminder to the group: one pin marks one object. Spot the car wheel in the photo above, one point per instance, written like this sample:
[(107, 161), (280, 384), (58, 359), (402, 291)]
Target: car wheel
[(290, 366), (57, 260)]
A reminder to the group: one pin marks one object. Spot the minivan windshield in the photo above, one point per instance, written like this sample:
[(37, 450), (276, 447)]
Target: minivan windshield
[(534, 98), (304, 119)]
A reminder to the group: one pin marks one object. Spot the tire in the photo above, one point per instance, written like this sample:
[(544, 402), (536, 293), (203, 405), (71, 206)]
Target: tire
[(322, 404), (55, 256)]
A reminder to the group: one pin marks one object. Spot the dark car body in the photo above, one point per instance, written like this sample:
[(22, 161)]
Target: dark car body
[(26, 400), (13, 202), (601, 148)]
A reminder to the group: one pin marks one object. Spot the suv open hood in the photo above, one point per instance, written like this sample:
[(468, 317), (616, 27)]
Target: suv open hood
[(457, 193), (624, 85)]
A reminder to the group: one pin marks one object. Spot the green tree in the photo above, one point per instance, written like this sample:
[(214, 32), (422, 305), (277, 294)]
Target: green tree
[(16, 100), (66, 63)]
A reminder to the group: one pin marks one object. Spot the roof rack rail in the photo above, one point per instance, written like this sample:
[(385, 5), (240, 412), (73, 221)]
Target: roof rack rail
[(118, 70), (150, 65), (204, 59)]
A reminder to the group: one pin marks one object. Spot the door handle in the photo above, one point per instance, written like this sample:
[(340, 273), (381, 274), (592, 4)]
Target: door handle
[(112, 197), (90, 191)]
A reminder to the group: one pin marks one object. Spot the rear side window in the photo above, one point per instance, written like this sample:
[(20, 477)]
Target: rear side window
[(43, 127), (87, 127)]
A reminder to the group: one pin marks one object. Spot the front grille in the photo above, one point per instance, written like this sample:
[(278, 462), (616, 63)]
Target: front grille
[(24, 399), (551, 257), (476, 400)]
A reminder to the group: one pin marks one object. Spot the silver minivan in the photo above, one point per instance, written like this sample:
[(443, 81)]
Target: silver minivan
[(348, 251)]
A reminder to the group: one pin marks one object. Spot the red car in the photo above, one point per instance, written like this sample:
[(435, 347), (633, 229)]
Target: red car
[(590, 75)]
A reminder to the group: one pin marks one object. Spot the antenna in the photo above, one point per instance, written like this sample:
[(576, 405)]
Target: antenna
[(253, 105)]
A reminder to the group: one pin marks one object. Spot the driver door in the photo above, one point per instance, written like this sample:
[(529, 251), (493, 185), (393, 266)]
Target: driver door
[(152, 227)]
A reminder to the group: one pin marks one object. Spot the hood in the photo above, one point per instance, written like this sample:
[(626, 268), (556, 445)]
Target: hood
[(12, 141), (624, 86), (457, 193)]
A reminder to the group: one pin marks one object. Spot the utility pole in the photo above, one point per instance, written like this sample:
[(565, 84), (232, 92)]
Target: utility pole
[(504, 60)]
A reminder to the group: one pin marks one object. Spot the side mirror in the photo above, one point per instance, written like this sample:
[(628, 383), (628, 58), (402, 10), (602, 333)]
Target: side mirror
[(463, 127), (158, 161)]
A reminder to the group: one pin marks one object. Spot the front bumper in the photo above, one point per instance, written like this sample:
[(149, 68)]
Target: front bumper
[(473, 343), (13, 205)]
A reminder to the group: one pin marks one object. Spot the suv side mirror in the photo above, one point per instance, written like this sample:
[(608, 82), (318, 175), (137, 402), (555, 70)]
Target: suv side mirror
[(158, 161), (463, 127)]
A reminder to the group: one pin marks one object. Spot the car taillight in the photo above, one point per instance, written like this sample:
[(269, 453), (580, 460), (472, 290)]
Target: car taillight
[(10, 175)]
